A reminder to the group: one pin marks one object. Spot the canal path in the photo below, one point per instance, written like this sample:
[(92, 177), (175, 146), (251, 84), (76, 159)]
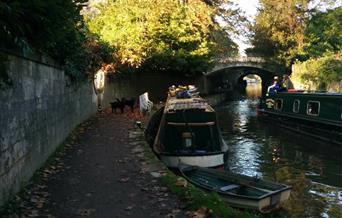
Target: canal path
[(102, 173), (265, 149)]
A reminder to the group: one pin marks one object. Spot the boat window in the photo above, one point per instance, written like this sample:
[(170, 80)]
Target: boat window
[(296, 105), (278, 104), (187, 139), (313, 108)]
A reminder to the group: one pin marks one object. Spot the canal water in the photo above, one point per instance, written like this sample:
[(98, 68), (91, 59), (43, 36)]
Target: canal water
[(265, 149)]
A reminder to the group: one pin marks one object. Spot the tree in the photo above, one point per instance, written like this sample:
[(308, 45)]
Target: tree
[(279, 29), (54, 28), (321, 57), (323, 33), (320, 72), (163, 35)]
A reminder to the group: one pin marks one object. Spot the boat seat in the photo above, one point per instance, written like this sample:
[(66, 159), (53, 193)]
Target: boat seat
[(229, 187)]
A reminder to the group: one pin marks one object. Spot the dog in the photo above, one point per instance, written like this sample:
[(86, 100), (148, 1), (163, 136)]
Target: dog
[(130, 103), (121, 104), (117, 105)]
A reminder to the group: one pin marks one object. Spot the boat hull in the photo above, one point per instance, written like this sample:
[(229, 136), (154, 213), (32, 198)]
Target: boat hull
[(207, 160), (265, 205), (318, 115), (187, 133), (239, 190), (318, 131)]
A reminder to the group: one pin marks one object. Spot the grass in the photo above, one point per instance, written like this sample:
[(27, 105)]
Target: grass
[(195, 198)]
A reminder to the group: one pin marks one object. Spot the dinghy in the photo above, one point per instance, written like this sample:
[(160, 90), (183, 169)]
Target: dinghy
[(239, 190)]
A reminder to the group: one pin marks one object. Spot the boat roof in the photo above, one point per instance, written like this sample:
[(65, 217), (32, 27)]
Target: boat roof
[(173, 104), (304, 93)]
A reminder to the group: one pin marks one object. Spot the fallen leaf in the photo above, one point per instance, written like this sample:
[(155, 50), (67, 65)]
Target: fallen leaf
[(129, 208), (181, 182), (85, 212), (124, 179), (144, 189), (203, 212), (39, 204)]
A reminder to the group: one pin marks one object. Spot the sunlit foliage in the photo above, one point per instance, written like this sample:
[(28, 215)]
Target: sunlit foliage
[(321, 73), (322, 53), (162, 35), (279, 29), (291, 31), (323, 34)]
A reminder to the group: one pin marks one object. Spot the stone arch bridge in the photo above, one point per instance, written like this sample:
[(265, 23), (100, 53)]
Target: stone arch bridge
[(228, 73)]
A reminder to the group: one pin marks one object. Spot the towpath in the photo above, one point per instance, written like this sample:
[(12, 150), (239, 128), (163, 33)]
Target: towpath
[(102, 172)]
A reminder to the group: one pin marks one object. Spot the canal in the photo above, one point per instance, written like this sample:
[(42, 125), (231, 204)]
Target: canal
[(265, 149)]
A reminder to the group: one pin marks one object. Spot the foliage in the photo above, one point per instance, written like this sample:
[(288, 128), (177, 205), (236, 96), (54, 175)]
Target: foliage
[(54, 28), (47, 25), (279, 28), (160, 35), (232, 18), (323, 33), (290, 30), (88, 58), (319, 72)]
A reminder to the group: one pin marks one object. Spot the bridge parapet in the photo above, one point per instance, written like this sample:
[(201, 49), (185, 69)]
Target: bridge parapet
[(242, 60), (247, 62)]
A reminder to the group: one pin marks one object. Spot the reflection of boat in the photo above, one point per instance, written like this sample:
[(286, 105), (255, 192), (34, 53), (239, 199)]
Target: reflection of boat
[(316, 114), (239, 190), (186, 131)]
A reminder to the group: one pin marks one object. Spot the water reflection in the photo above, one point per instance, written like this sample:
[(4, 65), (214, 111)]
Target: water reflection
[(253, 90), (259, 148)]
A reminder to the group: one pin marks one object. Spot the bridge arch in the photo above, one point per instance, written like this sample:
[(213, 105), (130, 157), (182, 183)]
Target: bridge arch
[(233, 70)]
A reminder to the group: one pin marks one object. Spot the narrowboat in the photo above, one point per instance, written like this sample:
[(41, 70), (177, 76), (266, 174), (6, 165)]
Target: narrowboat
[(317, 114), (238, 190), (185, 131)]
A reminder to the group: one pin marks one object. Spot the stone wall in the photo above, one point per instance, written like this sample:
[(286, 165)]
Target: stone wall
[(156, 84), (42, 107), (37, 113)]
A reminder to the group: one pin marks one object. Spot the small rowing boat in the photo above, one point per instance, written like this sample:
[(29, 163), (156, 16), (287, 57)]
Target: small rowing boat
[(239, 190)]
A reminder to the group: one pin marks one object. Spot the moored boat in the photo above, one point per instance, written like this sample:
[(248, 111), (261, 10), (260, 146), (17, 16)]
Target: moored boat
[(239, 190), (316, 114), (186, 131)]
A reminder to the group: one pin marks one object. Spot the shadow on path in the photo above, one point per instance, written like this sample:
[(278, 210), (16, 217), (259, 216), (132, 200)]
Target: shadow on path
[(102, 174)]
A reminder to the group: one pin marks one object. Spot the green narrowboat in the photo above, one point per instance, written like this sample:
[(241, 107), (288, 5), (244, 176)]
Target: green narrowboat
[(318, 114), (186, 131)]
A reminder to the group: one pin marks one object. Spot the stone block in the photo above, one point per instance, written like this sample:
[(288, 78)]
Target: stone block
[(37, 114)]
